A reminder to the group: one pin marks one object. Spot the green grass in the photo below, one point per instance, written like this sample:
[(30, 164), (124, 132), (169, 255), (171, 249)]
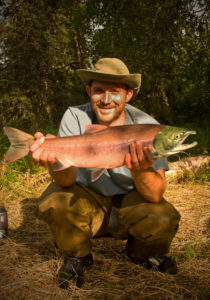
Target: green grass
[(200, 177)]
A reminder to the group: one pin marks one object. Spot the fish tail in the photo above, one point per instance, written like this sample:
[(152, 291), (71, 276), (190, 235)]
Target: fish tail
[(20, 143)]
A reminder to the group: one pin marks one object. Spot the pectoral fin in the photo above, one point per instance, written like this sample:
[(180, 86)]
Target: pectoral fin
[(96, 174), (61, 164)]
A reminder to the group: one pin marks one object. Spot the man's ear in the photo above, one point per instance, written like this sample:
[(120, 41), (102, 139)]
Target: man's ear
[(129, 95), (87, 88)]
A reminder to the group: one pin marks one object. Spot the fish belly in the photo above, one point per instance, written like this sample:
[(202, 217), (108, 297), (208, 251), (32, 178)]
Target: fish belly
[(104, 155)]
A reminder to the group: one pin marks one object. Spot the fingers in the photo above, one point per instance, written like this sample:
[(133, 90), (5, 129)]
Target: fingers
[(128, 161), (147, 154), (139, 151), (38, 135), (47, 158), (37, 144), (42, 156), (50, 136), (133, 152), (138, 157), (132, 158)]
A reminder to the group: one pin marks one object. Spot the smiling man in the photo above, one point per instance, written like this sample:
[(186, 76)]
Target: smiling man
[(108, 101), (125, 202)]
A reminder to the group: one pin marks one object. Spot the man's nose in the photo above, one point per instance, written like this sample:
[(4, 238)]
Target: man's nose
[(107, 97)]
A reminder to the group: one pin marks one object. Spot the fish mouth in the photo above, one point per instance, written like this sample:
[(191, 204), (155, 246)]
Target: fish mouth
[(182, 147)]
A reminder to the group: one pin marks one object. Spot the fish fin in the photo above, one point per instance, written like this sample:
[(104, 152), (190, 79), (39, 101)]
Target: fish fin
[(61, 164), (20, 143), (94, 128), (96, 174)]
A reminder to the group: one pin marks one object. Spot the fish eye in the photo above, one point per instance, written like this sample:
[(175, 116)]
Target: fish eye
[(177, 136)]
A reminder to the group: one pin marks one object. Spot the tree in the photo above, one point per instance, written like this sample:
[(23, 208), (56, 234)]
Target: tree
[(40, 52), (151, 37), (43, 42)]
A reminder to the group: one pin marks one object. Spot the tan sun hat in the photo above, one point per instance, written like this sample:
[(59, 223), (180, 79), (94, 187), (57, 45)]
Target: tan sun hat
[(112, 70)]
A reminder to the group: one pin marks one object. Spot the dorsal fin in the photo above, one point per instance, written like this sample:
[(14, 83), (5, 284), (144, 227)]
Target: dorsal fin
[(94, 128)]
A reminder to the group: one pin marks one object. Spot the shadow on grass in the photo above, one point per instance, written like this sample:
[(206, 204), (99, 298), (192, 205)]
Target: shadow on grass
[(33, 233)]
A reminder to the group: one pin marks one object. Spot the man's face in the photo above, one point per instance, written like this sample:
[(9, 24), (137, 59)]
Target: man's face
[(108, 100)]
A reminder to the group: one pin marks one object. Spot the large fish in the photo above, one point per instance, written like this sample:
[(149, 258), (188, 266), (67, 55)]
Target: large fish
[(102, 147)]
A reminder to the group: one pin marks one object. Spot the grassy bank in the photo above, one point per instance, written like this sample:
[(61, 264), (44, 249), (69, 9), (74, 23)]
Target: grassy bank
[(29, 260)]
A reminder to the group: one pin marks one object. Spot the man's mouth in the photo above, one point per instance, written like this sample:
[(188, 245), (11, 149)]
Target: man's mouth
[(106, 109)]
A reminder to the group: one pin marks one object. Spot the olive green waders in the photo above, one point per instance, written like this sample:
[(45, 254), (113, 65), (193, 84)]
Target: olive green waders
[(76, 214)]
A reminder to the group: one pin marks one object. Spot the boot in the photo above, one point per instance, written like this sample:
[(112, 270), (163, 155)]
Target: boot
[(73, 270), (159, 263)]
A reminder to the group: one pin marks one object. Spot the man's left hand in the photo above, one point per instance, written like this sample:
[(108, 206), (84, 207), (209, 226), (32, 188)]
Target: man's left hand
[(138, 158)]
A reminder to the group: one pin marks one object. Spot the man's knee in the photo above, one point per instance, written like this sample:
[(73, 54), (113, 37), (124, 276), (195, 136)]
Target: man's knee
[(75, 206), (144, 219), (57, 202), (155, 226)]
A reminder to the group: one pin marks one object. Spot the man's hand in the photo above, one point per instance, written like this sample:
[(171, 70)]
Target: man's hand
[(150, 183), (46, 158), (138, 158), (42, 156)]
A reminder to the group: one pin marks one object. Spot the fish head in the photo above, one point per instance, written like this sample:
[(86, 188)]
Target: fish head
[(170, 140)]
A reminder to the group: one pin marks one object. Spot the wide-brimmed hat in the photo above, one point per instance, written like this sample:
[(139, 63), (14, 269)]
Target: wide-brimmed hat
[(111, 70)]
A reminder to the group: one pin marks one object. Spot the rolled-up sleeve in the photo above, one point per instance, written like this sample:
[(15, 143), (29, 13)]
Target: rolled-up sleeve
[(161, 163)]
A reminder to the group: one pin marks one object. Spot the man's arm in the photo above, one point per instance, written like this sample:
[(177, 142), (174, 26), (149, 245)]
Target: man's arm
[(64, 178), (45, 158), (150, 183)]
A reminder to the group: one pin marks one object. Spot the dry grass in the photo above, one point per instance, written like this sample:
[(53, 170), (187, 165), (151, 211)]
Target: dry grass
[(29, 261)]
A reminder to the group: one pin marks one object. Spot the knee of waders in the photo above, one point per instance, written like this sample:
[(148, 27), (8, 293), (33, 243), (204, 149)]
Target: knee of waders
[(155, 226), (53, 206)]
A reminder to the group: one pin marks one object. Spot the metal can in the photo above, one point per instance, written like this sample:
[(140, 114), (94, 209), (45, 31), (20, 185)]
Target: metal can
[(3, 222)]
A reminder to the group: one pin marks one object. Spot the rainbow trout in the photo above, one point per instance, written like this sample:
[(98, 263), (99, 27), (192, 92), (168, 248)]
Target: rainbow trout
[(102, 147)]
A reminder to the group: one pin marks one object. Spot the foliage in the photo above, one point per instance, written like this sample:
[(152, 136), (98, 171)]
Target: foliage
[(38, 57), (156, 38), (189, 252), (44, 42)]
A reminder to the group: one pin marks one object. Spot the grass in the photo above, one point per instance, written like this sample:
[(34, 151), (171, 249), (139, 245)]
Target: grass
[(29, 260)]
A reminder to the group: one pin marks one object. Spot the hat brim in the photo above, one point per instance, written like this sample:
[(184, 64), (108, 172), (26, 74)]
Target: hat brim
[(132, 80)]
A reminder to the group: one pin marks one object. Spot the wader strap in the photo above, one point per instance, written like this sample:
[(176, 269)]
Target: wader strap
[(114, 214)]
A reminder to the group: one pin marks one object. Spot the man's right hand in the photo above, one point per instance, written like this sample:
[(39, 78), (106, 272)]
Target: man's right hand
[(46, 158), (42, 156)]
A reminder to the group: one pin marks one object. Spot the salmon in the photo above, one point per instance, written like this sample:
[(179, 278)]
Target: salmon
[(102, 147)]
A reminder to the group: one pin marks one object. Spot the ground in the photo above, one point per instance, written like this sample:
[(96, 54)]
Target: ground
[(29, 260)]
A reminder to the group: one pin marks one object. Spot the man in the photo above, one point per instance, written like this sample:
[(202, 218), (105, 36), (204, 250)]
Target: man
[(125, 202)]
